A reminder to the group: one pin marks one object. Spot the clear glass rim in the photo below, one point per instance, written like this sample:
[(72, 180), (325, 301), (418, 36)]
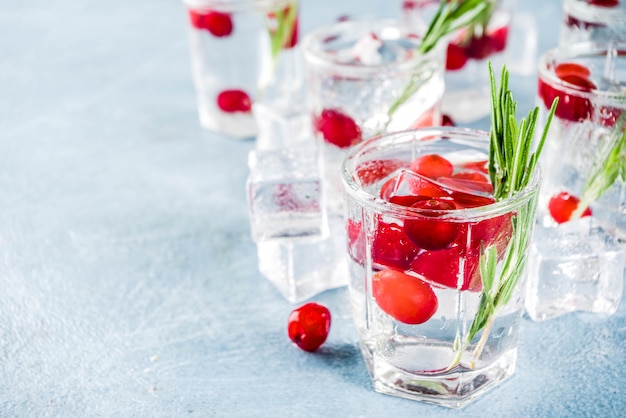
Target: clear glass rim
[(397, 139), (581, 9), (237, 5), (579, 50), (314, 57)]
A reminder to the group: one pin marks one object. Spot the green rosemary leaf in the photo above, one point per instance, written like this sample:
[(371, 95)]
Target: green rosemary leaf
[(511, 166), (450, 17), (486, 308), (285, 20), (608, 165), (488, 265)]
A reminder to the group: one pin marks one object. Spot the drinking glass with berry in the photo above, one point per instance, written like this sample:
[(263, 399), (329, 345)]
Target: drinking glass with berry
[(241, 53), (439, 222), (582, 197)]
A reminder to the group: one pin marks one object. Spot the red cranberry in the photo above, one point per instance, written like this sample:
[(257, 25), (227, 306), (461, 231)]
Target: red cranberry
[(427, 231), (407, 299), (231, 101), (563, 205), (337, 128), (432, 166), (456, 58), (391, 247), (217, 23), (308, 326)]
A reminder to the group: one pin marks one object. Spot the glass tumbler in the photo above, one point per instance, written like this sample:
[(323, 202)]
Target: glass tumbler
[(436, 263), (577, 261), (242, 52), (592, 21), (467, 95), (364, 78)]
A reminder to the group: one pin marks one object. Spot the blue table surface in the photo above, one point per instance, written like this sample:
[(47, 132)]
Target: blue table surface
[(128, 279)]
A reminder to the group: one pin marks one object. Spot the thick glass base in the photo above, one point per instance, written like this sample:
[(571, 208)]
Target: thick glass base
[(238, 125), (453, 389)]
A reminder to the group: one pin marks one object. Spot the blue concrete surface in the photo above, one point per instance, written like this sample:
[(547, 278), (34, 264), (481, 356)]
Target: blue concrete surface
[(128, 278)]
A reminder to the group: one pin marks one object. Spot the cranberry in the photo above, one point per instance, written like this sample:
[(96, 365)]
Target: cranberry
[(391, 247), (426, 119), (456, 58), (571, 68), (563, 205), (372, 171), (570, 107), (444, 266), (424, 187), (428, 232), (308, 326), (337, 128), (481, 166), (409, 5), (293, 39), (432, 165), (479, 48), (604, 3), (356, 241), (498, 38), (407, 299), (446, 120), (231, 101), (217, 23), (492, 231)]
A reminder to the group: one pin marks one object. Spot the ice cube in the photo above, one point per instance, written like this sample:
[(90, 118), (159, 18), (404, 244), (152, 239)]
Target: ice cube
[(366, 50), (576, 266), (302, 267), (285, 194), (283, 124)]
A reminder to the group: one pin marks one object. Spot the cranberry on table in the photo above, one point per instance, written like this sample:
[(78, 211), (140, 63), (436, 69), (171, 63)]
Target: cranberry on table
[(308, 326)]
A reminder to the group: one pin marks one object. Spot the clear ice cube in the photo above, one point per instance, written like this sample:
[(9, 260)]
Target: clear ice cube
[(285, 194), (302, 267), (576, 266)]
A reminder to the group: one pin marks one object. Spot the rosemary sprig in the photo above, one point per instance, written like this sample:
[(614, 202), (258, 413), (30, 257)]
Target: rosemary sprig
[(280, 36), (450, 16), (608, 165), (285, 27), (511, 166)]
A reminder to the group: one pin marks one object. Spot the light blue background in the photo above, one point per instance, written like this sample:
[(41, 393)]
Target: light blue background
[(128, 278)]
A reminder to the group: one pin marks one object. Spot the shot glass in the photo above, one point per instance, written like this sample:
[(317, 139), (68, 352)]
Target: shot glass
[(467, 98), (365, 78), (592, 21), (582, 203), (436, 283), (242, 52)]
